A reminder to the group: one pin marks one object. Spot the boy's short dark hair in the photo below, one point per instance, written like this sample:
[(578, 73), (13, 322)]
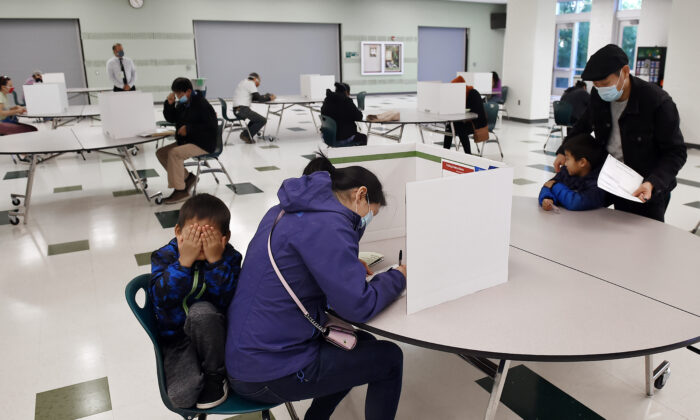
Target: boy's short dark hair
[(181, 84), (584, 146), (206, 206)]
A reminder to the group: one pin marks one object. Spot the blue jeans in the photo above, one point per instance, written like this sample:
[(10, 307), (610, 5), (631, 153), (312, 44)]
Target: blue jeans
[(333, 374)]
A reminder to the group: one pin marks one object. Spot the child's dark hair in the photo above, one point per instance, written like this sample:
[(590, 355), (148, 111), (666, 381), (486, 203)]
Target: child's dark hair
[(4, 80), (344, 179), (584, 146), (181, 84), (206, 206)]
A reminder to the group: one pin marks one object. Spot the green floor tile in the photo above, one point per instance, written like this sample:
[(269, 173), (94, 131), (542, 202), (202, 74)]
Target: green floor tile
[(143, 259), (695, 204), (4, 217), (74, 401), (310, 157), (16, 174), (522, 181), (67, 189), (266, 168), (249, 416), (540, 166), (245, 188), (147, 173), (688, 182), (168, 219), (272, 146), (115, 159), (123, 193), (67, 247), (531, 397)]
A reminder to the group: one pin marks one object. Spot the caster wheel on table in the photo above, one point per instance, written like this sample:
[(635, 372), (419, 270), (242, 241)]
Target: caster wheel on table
[(134, 152), (145, 185), (14, 220), (660, 382), (159, 200), (15, 201)]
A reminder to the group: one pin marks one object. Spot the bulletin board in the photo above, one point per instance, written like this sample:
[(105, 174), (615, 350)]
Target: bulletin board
[(381, 58)]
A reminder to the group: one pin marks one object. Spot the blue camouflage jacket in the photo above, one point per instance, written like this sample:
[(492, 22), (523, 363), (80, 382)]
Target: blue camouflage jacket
[(173, 288)]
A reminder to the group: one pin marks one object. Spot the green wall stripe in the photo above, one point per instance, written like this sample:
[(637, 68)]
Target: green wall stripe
[(112, 36), (387, 156), (146, 63)]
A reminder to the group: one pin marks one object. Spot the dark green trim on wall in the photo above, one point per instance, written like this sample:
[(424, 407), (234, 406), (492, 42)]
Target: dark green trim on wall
[(525, 121), (386, 156)]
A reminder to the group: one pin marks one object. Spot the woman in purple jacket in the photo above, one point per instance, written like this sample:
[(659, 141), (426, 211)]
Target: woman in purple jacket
[(274, 354)]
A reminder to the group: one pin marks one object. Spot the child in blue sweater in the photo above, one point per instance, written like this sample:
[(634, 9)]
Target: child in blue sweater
[(575, 187), (193, 279)]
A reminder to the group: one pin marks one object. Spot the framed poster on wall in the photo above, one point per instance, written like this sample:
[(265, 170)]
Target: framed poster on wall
[(381, 58)]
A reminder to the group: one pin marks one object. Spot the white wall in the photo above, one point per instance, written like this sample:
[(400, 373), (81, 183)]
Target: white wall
[(159, 37), (681, 66), (527, 58), (654, 23)]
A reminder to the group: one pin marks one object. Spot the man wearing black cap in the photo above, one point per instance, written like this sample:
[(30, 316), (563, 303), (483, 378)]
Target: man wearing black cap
[(247, 92), (637, 123)]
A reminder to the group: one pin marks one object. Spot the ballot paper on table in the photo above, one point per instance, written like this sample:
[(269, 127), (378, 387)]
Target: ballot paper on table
[(619, 179)]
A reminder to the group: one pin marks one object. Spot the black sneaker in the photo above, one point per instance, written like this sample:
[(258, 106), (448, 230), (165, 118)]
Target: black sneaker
[(214, 393), (189, 182), (245, 138)]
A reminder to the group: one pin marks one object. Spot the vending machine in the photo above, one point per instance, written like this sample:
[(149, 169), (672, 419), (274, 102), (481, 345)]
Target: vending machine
[(650, 64)]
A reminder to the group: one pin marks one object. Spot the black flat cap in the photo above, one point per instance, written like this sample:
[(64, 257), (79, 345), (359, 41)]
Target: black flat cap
[(604, 62)]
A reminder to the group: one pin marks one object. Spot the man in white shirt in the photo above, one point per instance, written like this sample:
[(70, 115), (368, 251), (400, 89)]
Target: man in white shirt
[(121, 70), (246, 93)]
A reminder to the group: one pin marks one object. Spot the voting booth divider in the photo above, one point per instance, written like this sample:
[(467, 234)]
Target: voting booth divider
[(126, 114), (53, 78), (45, 98), (313, 86), (453, 210), (441, 98), (481, 81)]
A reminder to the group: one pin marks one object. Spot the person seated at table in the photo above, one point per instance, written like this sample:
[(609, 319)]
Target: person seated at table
[(196, 128), (478, 127), (579, 98), (575, 186), (496, 87), (245, 94), (273, 353), (36, 77), (339, 106), (9, 124)]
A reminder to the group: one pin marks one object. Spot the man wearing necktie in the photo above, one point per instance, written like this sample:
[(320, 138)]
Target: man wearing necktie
[(121, 70)]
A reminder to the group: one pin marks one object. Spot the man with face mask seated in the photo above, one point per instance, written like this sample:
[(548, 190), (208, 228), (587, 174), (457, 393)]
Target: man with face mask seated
[(195, 125), (121, 70), (637, 123)]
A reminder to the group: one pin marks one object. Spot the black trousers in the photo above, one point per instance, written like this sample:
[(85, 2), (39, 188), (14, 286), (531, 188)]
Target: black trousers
[(653, 209), (116, 89), (255, 120), (462, 130)]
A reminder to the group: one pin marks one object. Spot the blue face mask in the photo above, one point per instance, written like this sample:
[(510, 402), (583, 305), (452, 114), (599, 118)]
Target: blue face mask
[(121, 53), (364, 222), (183, 99), (610, 93)]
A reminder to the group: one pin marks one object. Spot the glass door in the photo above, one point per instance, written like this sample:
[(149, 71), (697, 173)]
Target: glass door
[(628, 39), (570, 54)]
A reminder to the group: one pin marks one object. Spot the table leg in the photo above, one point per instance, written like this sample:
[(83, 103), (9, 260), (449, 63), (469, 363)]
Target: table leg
[(455, 140), (651, 375), (267, 116), (420, 130), (499, 380), (401, 132), (311, 112), (279, 122), (369, 131), (24, 210), (139, 183)]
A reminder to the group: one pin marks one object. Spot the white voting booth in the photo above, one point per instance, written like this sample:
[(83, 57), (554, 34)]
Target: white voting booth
[(53, 78), (45, 98), (453, 210), (481, 81), (441, 98), (313, 86), (126, 114)]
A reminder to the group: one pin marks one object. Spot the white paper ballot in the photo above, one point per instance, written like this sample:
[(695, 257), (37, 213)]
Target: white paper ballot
[(619, 179)]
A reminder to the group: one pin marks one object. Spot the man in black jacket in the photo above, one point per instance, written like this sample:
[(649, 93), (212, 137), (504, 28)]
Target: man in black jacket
[(196, 126), (339, 106), (637, 123)]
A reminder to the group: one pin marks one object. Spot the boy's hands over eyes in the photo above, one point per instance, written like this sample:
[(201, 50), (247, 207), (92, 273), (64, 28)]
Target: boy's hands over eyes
[(190, 244), (213, 244)]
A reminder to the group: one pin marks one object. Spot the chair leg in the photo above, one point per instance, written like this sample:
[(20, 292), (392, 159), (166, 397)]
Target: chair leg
[(196, 177), (291, 411), (551, 129), (498, 143), (202, 416), (265, 414), (226, 173), (228, 135)]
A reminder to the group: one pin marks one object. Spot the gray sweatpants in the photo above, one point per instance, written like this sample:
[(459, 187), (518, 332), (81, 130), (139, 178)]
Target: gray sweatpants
[(201, 350)]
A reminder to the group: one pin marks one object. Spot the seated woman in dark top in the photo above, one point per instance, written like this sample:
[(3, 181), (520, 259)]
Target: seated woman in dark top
[(464, 128), (578, 97), (339, 106)]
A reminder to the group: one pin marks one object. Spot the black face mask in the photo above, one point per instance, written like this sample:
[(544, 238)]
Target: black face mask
[(38, 80)]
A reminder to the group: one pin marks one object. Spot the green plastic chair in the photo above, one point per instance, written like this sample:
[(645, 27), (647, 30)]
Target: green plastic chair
[(361, 100), (233, 123), (491, 109), (329, 129), (146, 317), (203, 160), (562, 118), (16, 98)]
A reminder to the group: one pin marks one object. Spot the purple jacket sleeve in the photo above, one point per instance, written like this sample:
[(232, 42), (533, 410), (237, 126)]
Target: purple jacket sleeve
[(332, 260)]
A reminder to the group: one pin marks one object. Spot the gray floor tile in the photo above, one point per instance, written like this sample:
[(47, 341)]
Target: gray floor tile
[(296, 129), (688, 182), (67, 247), (272, 146), (143, 258), (309, 157), (522, 181), (67, 189), (266, 168), (115, 159), (544, 152), (16, 174), (147, 173), (554, 136), (245, 188), (4, 217), (695, 204), (168, 219), (306, 122), (124, 193), (74, 401), (530, 141), (542, 167)]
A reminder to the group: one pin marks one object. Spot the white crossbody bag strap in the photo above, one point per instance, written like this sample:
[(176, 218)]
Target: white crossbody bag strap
[(284, 282)]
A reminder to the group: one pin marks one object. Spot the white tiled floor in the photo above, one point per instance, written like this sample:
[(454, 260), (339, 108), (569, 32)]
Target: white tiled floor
[(64, 318)]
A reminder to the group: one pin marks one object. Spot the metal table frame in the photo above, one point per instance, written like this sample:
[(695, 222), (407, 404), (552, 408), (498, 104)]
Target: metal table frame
[(283, 105)]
